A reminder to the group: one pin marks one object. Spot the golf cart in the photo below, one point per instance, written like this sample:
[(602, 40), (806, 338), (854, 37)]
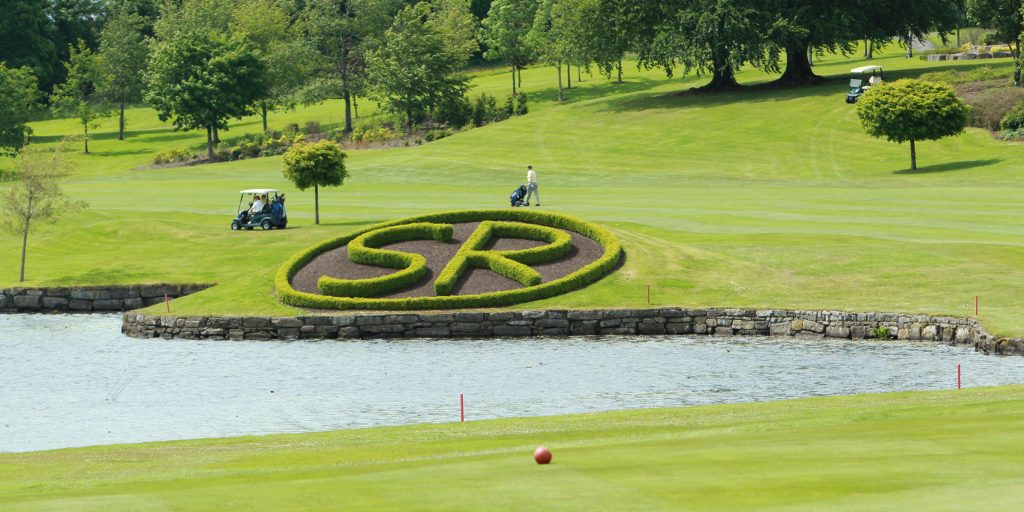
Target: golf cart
[(270, 216), (861, 79)]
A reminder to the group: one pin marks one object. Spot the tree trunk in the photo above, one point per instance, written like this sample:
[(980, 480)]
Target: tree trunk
[(913, 156), (619, 67), (120, 124), (520, 72), (798, 68), (86, 126), (263, 114), (910, 48), (355, 106), (568, 75), (723, 75), (348, 111), (513, 80), (579, 74), (209, 143), (871, 48), (559, 81), (24, 245), (316, 202), (1016, 63), (216, 135)]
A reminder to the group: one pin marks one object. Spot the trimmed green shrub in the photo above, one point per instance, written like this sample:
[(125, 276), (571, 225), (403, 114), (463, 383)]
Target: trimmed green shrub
[(522, 107), (364, 249), (1014, 119), (510, 264), (579, 279)]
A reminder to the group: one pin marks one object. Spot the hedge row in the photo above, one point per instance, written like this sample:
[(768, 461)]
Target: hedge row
[(579, 279), (511, 264), (364, 249)]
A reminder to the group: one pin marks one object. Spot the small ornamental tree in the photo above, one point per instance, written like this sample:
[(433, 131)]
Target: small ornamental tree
[(37, 196), (315, 165), (912, 110), (79, 95)]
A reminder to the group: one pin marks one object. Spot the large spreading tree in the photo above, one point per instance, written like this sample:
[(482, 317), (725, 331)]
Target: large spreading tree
[(200, 79), (910, 111)]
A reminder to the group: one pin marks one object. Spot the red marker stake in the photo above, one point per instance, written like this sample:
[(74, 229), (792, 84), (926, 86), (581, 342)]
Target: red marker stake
[(167, 301), (975, 305), (648, 295), (462, 407), (958, 375)]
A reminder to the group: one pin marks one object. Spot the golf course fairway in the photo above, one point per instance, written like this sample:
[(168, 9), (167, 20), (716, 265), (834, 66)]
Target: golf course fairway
[(949, 450)]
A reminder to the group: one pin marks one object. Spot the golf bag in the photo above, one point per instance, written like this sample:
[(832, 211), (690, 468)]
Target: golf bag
[(518, 197)]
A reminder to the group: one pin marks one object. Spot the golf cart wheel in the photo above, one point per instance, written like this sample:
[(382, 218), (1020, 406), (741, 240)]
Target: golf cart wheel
[(265, 225), (235, 226)]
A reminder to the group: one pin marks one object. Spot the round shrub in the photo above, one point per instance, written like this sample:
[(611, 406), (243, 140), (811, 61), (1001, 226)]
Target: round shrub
[(1014, 119)]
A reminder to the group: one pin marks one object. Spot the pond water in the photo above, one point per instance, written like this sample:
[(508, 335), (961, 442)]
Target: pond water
[(75, 380)]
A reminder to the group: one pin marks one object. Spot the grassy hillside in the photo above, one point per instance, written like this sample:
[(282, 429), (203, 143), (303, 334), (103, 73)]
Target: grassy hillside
[(907, 451), (759, 198)]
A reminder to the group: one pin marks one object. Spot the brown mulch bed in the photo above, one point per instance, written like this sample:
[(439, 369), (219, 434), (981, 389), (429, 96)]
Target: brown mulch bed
[(336, 264)]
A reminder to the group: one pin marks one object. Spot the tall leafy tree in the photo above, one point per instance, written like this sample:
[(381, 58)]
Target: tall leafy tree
[(505, 33), (200, 79), (74, 22), (1007, 19), (26, 39), (288, 59), (343, 33), (911, 111), (122, 62), (18, 96), (79, 95), (416, 67), (552, 37)]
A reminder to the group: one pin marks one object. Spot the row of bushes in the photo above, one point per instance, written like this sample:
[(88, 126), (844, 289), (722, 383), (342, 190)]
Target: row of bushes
[(579, 279), (364, 249), (173, 156)]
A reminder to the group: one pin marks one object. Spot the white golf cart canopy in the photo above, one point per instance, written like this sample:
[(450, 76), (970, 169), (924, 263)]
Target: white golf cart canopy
[(866, 69), (260, 191)]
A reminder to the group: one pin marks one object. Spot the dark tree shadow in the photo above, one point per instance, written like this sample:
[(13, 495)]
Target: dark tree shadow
[(951, 166)]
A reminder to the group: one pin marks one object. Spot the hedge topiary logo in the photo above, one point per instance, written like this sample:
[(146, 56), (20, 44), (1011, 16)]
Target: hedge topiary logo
[(366, 247)]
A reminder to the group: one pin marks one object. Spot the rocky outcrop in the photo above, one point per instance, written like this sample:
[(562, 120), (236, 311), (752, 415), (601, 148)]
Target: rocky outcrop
[(89, 299)]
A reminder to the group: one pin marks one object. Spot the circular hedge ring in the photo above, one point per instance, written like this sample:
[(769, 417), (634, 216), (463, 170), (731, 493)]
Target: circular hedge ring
[(364, 247)]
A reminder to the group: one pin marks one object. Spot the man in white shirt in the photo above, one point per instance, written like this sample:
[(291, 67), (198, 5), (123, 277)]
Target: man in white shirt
[(257, 206), (531, 185)]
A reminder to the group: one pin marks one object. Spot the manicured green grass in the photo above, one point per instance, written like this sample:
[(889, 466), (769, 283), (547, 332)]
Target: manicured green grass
[(953, 450), (759, 198)]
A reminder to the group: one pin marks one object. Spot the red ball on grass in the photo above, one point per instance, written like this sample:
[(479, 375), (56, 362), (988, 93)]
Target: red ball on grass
[(542, 455)]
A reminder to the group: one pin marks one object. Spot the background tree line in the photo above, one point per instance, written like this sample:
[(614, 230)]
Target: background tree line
[(200, 63)]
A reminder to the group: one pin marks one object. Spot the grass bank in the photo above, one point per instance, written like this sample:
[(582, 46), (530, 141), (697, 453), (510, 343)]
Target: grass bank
[(905, 451), (758, 198)]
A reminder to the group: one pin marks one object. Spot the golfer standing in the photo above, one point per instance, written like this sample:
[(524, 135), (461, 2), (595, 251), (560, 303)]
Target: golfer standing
[(531, 185)]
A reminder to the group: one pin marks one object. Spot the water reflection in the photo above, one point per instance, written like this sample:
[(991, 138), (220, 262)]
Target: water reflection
[(74, 381)]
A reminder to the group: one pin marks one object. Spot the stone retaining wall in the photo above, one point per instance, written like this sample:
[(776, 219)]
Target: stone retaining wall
[(657, 321), (88, 299)]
